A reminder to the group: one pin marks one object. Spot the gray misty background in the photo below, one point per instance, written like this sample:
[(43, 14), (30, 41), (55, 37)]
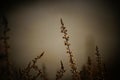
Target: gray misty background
[(35, 27)]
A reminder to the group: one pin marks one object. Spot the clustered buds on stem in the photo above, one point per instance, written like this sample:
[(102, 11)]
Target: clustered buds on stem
[(73, 66), (61, 72), (25, 73)]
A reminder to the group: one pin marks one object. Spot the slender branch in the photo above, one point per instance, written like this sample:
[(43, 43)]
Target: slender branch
[(73, 66)]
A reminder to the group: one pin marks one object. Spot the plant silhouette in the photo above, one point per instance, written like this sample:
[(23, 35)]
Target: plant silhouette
[(90, 71)]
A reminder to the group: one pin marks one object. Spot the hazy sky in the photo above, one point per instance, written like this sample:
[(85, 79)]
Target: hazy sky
[(35, 28)]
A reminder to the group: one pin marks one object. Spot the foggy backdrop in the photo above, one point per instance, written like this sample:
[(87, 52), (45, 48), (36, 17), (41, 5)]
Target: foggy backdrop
[(35, 27)]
